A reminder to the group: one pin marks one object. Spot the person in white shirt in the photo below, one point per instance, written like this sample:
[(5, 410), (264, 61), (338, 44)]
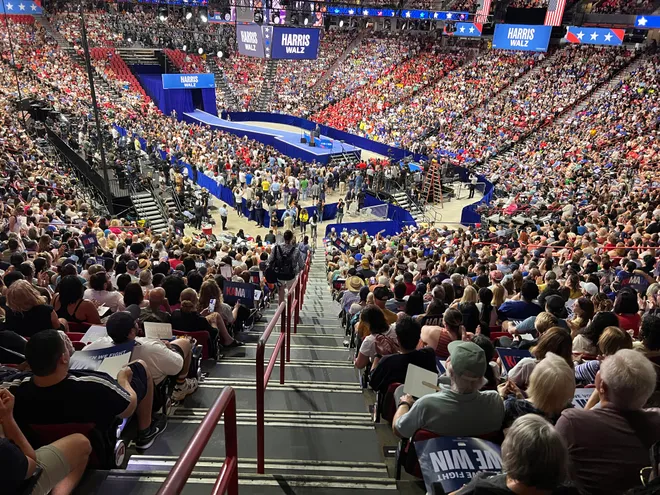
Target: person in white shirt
[(97, 292), (162, 358)]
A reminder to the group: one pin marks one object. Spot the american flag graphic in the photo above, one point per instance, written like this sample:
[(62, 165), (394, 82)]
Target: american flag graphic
[(483, 11), (555, 12)]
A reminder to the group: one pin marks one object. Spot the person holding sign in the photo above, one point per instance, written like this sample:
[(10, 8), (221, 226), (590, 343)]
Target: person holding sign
[(460, 410), (163, 358)]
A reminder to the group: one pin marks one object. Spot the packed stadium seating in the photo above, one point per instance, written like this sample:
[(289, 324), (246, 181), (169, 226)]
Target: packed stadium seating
[(526, 317)]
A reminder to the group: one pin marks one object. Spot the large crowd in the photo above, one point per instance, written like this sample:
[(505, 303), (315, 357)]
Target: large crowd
[(580, 290)]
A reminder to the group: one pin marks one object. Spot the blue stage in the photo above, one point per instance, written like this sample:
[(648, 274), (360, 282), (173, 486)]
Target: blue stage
[(286, 142)]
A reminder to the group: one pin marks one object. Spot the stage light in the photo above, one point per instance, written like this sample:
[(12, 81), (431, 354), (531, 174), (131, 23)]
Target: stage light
[(189, 15), (220, 54), (258, 16), (130, 40), (185, 47), (204, 15), (275, 19), (306, 20), (227, 16), (162, 15), (341, 23), (200, 50)]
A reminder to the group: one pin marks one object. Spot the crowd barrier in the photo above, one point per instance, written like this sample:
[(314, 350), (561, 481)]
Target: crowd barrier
[(282, 349), (227, 480)]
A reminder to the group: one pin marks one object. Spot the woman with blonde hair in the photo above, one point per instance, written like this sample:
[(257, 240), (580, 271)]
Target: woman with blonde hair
[(189, 319), (27, 312), (498, 295), (551, 389)]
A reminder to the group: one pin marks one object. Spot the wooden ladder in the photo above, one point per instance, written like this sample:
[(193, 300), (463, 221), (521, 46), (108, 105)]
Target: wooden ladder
[(432, 185)]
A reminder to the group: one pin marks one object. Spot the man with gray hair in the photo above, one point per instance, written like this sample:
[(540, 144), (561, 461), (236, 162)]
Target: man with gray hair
[(609, 445), (459, 410)]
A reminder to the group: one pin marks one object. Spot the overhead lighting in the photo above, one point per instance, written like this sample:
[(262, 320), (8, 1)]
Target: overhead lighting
[(306, 21), (185, 47), (227, 16), (188, 15), (200, 50), (162, 15), (276, 19), (220, 54), (130, 40), (204, 15), (341, 23)]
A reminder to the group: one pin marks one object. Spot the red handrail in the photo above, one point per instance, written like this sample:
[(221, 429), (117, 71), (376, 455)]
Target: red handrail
[(227, 481), (264, 376)]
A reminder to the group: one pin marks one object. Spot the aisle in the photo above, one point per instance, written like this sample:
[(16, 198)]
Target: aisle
[(319, 434)]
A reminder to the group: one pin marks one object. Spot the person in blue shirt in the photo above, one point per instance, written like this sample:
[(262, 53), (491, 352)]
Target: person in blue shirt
[(523, 309), (248, 178)]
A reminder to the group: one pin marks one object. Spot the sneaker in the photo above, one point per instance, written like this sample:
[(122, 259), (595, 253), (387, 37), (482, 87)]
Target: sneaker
[(183, 389), (146, 439)]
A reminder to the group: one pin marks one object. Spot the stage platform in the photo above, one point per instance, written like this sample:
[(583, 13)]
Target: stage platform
[(286, 142)]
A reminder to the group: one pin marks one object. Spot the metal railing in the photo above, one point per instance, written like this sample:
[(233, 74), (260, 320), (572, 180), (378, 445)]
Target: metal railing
[(282, 348), (227, 480)]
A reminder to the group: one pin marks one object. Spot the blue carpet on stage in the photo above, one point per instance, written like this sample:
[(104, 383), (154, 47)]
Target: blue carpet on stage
[(286, 142)]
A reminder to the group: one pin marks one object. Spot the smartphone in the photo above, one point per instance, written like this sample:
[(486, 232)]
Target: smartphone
[(211, 305)]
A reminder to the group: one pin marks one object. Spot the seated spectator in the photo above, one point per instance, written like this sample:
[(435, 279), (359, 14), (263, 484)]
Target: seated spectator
[(523, 309), (551, 389), (534, 460), (381, 340), (610, 342), (650, 333), (70, 305), (415, 302), (62, 463), (211, 290), (493, 371), (393, 368), (398, 302), (158, 310), (352, 292), (27, 313), (381, 296), (583, 312), (133, 295), (100, 292), (554, 305), (609, 445), (438, 338), (587, 341), (53, 394), (487, 312), (164, 359), (459, 410), (434, 312), (189, 319), (556, 340), (626, 308)]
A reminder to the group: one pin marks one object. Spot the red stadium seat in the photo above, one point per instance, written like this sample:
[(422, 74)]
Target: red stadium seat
[(202, 338)]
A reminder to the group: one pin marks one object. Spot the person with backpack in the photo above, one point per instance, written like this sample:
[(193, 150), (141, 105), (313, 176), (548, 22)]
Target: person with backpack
[(284, 263), (381, 341)]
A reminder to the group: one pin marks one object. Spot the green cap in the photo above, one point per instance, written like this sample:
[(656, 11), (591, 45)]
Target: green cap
[(467, 359)]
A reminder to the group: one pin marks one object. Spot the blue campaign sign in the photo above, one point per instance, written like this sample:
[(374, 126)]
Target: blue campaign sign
[(249, 38), (292, 43), (466, 30), (510, 357), (20, 7), (453, 461), (188, 81), (594, 36), (521, 37), (647, 21), (233, 292)]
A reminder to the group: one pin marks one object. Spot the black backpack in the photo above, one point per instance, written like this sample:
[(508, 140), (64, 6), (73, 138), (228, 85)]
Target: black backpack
[(282, 266)]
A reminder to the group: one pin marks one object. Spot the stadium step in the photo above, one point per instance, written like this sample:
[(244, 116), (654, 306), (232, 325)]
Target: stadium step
[(319, 433), (147, 208)]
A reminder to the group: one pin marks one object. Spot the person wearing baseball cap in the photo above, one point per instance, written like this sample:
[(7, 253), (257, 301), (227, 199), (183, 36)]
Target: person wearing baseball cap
[(459, 410), (365, 272)]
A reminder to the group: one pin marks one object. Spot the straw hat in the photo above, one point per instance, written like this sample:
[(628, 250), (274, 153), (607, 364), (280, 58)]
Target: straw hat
[(187, 240), (354, 284)]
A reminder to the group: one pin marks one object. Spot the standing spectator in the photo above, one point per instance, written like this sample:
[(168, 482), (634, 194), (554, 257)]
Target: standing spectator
[(340, 211), (223, 215)]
